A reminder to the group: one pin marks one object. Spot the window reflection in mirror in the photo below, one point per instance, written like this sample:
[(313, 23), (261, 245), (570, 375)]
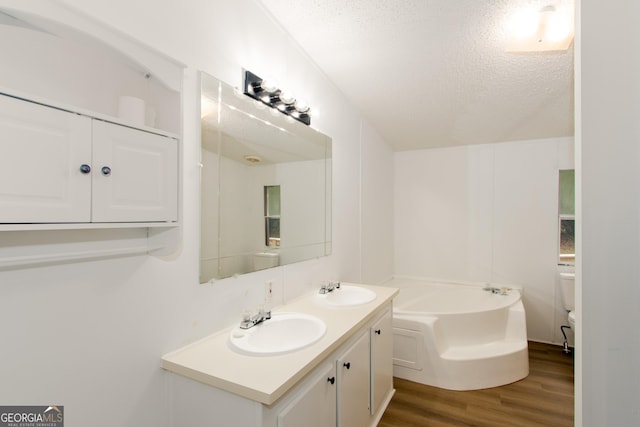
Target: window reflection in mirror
[(272, 215), (265, 186), (566, 218)]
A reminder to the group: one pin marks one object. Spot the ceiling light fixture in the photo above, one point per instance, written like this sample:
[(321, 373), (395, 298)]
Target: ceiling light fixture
[(269, 94), (252, 159), (539, 30)]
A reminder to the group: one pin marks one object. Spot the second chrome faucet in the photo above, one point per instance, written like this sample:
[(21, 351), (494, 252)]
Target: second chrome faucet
[(329, 286)]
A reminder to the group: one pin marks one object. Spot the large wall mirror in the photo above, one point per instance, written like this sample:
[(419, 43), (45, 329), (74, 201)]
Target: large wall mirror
[(265, 186)]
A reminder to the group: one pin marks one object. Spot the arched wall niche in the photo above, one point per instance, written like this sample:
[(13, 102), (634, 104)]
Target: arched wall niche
[(72, 60)]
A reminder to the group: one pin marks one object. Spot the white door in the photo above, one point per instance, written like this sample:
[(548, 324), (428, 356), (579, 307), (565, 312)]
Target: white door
[(353, 384), (381, 361), (135, 175), (314, 406), (45, 161)]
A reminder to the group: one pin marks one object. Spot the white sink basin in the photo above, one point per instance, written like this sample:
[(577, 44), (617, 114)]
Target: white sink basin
[(283, 333), (346, 296)]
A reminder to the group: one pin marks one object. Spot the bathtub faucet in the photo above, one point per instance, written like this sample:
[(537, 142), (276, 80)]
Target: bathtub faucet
[(495, 291), (249, 321), (325, 288)]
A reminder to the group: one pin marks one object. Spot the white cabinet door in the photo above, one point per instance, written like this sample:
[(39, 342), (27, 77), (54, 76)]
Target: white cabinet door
[(135, 175), (353, 369), (381, 360), (42, 151), (315, 406)]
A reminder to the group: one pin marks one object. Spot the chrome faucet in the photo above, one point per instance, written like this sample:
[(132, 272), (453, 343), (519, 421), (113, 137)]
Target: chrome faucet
[(494, 290), (330, 286), (249, 321), (491, 289)]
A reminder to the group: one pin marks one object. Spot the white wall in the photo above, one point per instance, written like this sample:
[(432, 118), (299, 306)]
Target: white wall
[(89, 335), (608, 311), (486, 213), (376, 207)]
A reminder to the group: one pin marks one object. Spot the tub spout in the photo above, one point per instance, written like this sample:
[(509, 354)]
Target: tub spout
[(489, 288), (494, 290)]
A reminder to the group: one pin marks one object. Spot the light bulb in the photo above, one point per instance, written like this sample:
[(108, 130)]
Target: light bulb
[(287, 97), (301, 106), (269, 85), (266, 99)]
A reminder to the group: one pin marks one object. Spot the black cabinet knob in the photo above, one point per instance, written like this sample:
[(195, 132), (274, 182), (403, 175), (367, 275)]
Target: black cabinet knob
[(331, 380), (106, 170), (84, 168), (347, 365), (377, 331)]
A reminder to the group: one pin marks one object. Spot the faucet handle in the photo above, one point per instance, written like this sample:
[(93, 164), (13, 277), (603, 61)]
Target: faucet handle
[(326, 286), (263, 313), (247, 320)]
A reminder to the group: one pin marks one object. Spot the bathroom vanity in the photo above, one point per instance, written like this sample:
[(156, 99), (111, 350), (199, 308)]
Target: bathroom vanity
[(343, 379)]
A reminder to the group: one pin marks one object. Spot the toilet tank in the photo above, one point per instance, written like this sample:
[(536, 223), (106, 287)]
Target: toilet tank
[(568, 290), (264, 260)]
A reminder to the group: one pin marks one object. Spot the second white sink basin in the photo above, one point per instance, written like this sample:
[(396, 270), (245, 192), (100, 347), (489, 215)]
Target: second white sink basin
[(283, 333), (346, 296)]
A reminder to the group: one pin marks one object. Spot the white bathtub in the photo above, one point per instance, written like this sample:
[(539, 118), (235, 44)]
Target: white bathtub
[(458, 336)]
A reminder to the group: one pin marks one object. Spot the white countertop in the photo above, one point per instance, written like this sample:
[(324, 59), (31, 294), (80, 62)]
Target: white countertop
[(265, 379)]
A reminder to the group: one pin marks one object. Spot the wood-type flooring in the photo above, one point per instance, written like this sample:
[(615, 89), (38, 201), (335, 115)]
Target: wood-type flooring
[(544, 398)]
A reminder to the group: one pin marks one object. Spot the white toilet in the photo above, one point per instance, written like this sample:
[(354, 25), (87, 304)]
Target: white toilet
[(263, 260), (568, 292)]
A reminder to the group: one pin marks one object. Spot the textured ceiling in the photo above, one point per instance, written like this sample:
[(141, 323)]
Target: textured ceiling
[(434, 73)]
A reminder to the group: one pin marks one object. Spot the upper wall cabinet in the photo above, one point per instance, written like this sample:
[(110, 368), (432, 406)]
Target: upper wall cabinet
[(89, 146), (134, 175), (61, 167), (38, 150), (74, 152)]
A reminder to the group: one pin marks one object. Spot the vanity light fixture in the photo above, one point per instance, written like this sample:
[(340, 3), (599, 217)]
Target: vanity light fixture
[(269, 94)]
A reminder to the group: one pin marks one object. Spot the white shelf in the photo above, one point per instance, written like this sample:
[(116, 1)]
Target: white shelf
[(85, 226), (21, 261), (21, 249)]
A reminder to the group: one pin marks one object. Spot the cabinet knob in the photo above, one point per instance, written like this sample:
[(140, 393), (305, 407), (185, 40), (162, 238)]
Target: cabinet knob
[(331, 380), (377, 331), (347, 365), (85, 168), (106, 170)]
